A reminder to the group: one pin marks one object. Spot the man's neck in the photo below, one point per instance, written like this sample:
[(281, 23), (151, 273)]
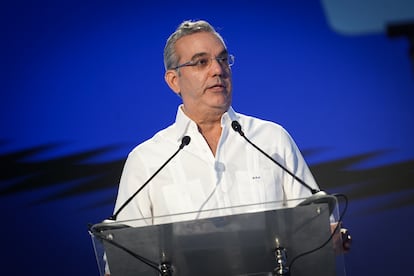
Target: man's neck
[(205, 119), (209, 125)]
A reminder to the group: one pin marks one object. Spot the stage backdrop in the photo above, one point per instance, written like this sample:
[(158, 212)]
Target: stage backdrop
[(82, 84)]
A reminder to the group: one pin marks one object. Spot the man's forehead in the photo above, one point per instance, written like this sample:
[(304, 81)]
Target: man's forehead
[(201, 42)]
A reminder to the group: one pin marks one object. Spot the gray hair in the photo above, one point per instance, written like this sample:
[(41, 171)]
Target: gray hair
[(187, 27)]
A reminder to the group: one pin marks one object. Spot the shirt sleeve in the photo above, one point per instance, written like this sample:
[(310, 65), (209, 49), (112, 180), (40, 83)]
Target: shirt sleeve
[(296, 164), (132, 178)]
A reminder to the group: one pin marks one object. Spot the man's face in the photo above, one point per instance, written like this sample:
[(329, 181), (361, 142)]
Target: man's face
[(207, 87)]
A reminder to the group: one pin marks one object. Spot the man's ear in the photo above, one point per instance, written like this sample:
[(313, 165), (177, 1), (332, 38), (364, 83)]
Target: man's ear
[(171, 78)]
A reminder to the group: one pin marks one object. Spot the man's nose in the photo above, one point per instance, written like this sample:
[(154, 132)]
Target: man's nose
[(216, 67)]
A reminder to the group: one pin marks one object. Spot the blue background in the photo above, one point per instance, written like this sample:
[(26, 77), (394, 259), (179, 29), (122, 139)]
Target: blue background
[(82, 84)]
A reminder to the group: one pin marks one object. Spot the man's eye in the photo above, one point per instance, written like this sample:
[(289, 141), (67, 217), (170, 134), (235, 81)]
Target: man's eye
[(222, 60), (202, 62)]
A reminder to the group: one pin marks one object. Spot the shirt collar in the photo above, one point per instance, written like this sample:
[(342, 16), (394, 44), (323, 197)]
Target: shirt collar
[(229, 117), (183, 122)]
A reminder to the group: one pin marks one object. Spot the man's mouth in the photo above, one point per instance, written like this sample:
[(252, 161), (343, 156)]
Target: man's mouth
[(219, 85)]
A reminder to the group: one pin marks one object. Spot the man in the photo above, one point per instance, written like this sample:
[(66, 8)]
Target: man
[(218, 168)]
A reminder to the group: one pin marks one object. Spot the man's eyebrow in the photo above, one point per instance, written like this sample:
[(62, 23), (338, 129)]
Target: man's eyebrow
[(223, 53), (197, 55)]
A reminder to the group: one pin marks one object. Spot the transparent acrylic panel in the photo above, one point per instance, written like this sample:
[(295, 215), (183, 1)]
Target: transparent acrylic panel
[(99, 249), (239, 240)]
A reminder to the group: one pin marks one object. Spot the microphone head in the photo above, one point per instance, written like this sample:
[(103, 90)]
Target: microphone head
[(185, 141), (237, 127)]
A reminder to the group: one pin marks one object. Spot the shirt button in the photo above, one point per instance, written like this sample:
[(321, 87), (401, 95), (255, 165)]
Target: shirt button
[(220, 167)]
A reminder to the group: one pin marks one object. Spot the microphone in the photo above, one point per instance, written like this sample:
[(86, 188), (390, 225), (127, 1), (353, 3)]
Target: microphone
[(317, 196), (184, 142), (237, 127)]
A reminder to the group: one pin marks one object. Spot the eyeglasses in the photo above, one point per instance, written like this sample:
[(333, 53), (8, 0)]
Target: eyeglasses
[(204, 62)]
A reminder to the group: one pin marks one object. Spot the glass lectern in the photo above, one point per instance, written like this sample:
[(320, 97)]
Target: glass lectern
[(274, 238)]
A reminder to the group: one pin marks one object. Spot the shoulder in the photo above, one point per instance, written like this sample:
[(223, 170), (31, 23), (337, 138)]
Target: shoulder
[(161, 142), (254, 125)]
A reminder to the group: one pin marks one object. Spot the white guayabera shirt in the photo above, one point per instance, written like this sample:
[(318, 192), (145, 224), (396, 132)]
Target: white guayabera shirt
[(196, 180)]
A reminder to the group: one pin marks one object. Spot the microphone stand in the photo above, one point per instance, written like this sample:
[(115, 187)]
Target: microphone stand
[(318, 196), (184, 142), (237, 127), (164, 269)]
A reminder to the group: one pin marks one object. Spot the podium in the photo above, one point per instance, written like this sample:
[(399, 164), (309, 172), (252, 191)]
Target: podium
[(263, 239)]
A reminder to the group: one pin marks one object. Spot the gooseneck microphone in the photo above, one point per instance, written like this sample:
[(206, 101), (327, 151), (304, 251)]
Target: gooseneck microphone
[(184, 142), (318, 196), (237, 127), (163, 269)]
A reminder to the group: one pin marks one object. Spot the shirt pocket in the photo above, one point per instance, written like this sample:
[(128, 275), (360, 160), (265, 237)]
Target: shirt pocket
[(258, 186)]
